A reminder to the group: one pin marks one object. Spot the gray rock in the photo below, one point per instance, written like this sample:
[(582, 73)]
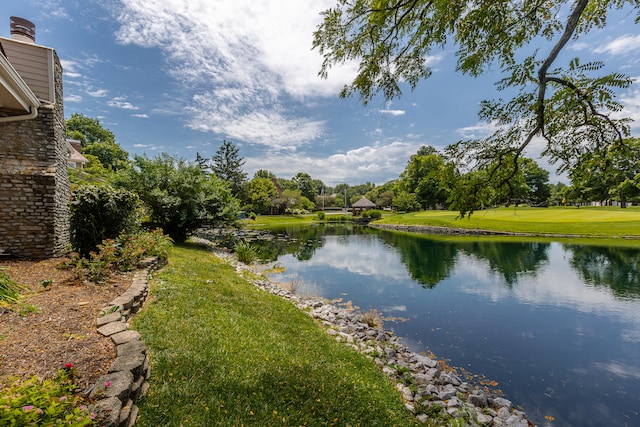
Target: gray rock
[(131, 347), (117, 384), (447, 392), (478, 398), (107, 411), (112, 328), (125, 336), (133, 363)]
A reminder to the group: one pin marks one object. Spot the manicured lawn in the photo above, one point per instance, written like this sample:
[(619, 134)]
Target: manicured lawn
[(225, 353), (584, 221)]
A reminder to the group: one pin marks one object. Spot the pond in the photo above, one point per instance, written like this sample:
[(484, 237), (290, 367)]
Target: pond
[(555, 324)]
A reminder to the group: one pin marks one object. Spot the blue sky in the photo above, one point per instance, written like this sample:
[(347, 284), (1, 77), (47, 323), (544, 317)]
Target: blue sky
[(179, 76)]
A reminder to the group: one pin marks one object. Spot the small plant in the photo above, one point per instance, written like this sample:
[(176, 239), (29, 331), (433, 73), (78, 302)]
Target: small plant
[(45, 283), (9, 290), (321, 215), (245, 251), (373, 318), (26, 309), (43, 402)]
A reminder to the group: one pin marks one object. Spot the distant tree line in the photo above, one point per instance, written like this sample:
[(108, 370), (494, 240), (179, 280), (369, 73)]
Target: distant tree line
[(180, 195)]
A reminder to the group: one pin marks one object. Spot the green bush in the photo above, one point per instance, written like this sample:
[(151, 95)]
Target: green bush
[(43, 402), (9, 290), (321, 215), (99, 213), (373, 214), (121, 254)]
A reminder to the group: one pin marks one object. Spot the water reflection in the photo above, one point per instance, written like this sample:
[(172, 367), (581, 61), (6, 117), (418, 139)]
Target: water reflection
[(614, 267), (556, 324)]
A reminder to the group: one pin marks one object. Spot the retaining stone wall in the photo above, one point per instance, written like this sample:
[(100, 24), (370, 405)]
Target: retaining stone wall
[(118, 391)]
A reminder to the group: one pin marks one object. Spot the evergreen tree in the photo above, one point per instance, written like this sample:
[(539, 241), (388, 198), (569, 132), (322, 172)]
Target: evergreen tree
[(227, 165)]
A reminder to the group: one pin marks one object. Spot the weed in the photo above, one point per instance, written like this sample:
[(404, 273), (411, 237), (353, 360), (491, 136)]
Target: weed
[(373, 318)]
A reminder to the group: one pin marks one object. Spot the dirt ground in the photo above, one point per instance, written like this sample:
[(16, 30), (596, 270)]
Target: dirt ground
[(48, 328)]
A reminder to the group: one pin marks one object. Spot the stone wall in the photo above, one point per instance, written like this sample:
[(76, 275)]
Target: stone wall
[(34, 182)]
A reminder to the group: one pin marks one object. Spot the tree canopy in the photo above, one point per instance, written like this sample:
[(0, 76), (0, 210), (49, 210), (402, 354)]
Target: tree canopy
[(568, 106)]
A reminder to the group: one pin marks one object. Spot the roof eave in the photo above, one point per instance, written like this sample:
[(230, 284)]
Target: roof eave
[(18, 90)]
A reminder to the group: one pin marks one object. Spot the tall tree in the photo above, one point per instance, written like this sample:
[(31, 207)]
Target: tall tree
[(178, 196), (612, 173), (424, 176), (88, 130), (566, 105), (227, 165), (306, 185)]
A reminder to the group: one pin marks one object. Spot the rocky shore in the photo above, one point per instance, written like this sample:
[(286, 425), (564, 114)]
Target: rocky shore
[(430, 389)]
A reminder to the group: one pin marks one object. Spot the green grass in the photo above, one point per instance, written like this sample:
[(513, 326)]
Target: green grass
[(585, 221), (225, 353)]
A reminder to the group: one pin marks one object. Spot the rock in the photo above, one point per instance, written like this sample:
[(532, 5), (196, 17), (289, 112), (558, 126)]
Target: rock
[(107, 411), (501, 402), (112, 328), (117, 384), (478, 398), (447, 392)]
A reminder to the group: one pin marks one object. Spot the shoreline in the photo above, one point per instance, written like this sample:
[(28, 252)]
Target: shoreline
[(430, 387), (441, 230)]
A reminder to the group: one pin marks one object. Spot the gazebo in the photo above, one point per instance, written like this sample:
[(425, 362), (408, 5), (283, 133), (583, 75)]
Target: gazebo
[(362, 205)]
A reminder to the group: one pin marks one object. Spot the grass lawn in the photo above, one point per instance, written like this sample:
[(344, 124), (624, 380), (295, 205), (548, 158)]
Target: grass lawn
[(584, 221), (225, 353)]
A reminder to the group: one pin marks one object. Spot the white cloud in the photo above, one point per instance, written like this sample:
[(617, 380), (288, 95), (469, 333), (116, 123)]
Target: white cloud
[(392, 112), (98, 93), (623, 45), (121, 102), (72, 98), (631, 102), (140, 116), (377, 163), (477, 131), (245, 63)]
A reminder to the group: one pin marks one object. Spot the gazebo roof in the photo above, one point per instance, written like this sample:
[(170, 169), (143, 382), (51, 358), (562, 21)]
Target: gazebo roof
[(364, 203)]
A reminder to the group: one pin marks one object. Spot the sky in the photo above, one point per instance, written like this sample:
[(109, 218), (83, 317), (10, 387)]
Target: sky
[(182, 76)]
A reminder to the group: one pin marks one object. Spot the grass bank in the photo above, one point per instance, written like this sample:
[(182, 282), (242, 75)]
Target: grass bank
[(225, 353), (585, 221)]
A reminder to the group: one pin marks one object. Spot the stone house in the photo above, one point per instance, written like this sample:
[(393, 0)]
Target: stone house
[(34, 180)]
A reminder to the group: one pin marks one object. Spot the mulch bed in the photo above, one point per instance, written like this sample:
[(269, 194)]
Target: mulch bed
[(51, 327)]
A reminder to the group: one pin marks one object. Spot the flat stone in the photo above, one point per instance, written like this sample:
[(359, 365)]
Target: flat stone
[(108, 318), (125, 336), (129, 363), (133, 416), (117, 384), (107, 411), (112, 328), (131, 347)]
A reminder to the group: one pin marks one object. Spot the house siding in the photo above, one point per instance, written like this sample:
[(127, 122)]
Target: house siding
[(34, 181), (34, 63)]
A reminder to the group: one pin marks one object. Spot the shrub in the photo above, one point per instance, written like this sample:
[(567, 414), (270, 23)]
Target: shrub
[(178, 196), (9, 290), (121, 254), (321, 215), (373, 214), (99, 213), (43, 402)]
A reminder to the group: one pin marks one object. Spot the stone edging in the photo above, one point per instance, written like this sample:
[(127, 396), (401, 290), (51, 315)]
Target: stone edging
[(116, 392)]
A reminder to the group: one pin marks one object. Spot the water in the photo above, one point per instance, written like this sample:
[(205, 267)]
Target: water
[(556, 325)]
